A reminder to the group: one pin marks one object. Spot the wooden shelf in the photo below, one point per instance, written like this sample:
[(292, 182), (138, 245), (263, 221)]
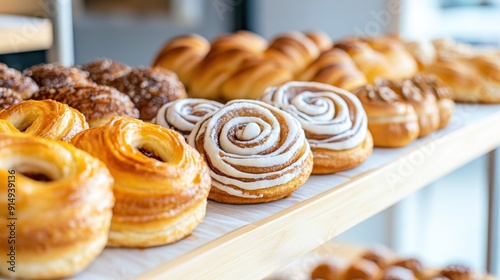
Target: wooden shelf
[(22, 34), (252, 241)]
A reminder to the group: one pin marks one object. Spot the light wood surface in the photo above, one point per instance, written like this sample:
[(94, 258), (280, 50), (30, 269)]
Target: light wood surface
[(22, 34)]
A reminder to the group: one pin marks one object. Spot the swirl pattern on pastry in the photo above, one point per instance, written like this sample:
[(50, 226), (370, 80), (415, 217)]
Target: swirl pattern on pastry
[(63, 204), (256, 152), (183, 114), (172, 202), (46, 119)]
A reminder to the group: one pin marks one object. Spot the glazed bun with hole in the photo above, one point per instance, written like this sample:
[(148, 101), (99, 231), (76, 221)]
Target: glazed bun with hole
[(161, 183), (63, 201)]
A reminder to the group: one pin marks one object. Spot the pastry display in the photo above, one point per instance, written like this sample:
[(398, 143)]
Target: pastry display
[(182, 115), (63, 201), (328, 271), (46, 118), (14, 80), (456, 272), (334, 67), (103, 71), (414, 265), (398, 273), (56, 75), (424, 103), (333, 119), (255, 152), (161, 183), (8, 98), (181, 55), (240, 40), (98, 103), (363, 269), (320, 39), (149, 89), (392, 121), (381, 256), (431, 85)]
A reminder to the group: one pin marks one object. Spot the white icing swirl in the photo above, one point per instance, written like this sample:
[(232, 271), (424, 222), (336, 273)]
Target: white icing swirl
[(332, 118), (181, 115), (250, 145)]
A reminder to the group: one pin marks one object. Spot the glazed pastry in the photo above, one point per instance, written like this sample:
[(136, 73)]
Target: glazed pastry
[(328, 271), (423, 52), (150, 88), (431, 85), (457, 272), (253, 78), (364, 270), (215, 70), (424, 103), (182, 115), (398, 273), (56, 75), (334, 67), (321, 39), (391, 120), (240, 40), (181, 55), (46, 119), (63, 201), (412, 264), (8, 98), (293, 51), (255, 152), (103, 71), (14, 80), (333, 119), (380, 256), (172, 202), (6, 126), (98, 103)]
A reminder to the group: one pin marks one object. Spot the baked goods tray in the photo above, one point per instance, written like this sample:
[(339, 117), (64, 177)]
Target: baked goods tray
[(252, 241)]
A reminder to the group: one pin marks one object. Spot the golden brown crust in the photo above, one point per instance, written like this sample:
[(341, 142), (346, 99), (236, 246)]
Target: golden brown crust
[(17, 82), (412, 264), (172, 202), (6, 126), (240, 40), (98, 103), (56, 75), (363, 269), (8, 98), (181, 55), (65, 221), (46, 119), (102, 71), (321, 39), (150, 88)]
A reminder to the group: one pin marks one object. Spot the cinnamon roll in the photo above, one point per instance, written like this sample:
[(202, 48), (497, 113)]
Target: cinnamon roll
[(98, 103), (392, 121), (8, 98), (150, 88), (182, 115), (63, 201), (161, 183), (56, 75), (103, 71), (46, 119), (17, 82), (430, 84), (424, 103), (255, 152), (334, 121)]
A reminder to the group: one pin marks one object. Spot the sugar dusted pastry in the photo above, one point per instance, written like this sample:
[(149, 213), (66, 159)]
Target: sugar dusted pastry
[(333, 119), (255, 152), (456, 272), (161, 183), (8, 98), (412, 264), (182, 115), (46, 119), (103, 71), (63, 201), (56, 75), (17, 82)]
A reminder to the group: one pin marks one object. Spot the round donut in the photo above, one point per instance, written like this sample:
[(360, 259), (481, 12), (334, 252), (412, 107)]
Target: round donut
[(255, 152), (161, 183), (63, 200)]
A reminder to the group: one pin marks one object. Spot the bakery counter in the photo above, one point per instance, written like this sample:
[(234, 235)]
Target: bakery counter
[(252, 241)]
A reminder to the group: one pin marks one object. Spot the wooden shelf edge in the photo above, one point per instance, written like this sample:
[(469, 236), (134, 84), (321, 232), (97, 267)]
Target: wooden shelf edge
[(256, 250)]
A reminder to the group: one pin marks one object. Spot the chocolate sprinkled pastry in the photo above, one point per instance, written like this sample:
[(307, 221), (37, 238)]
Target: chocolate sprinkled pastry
[(98, 103), (56, 75), (150, 88), (8, 98), (103, 71), (13, 79)]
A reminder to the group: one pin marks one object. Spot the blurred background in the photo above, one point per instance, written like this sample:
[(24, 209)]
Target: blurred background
[(443, 223)]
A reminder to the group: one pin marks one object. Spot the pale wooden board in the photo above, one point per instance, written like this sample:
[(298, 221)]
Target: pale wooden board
[(253, 241), (22, 34)]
